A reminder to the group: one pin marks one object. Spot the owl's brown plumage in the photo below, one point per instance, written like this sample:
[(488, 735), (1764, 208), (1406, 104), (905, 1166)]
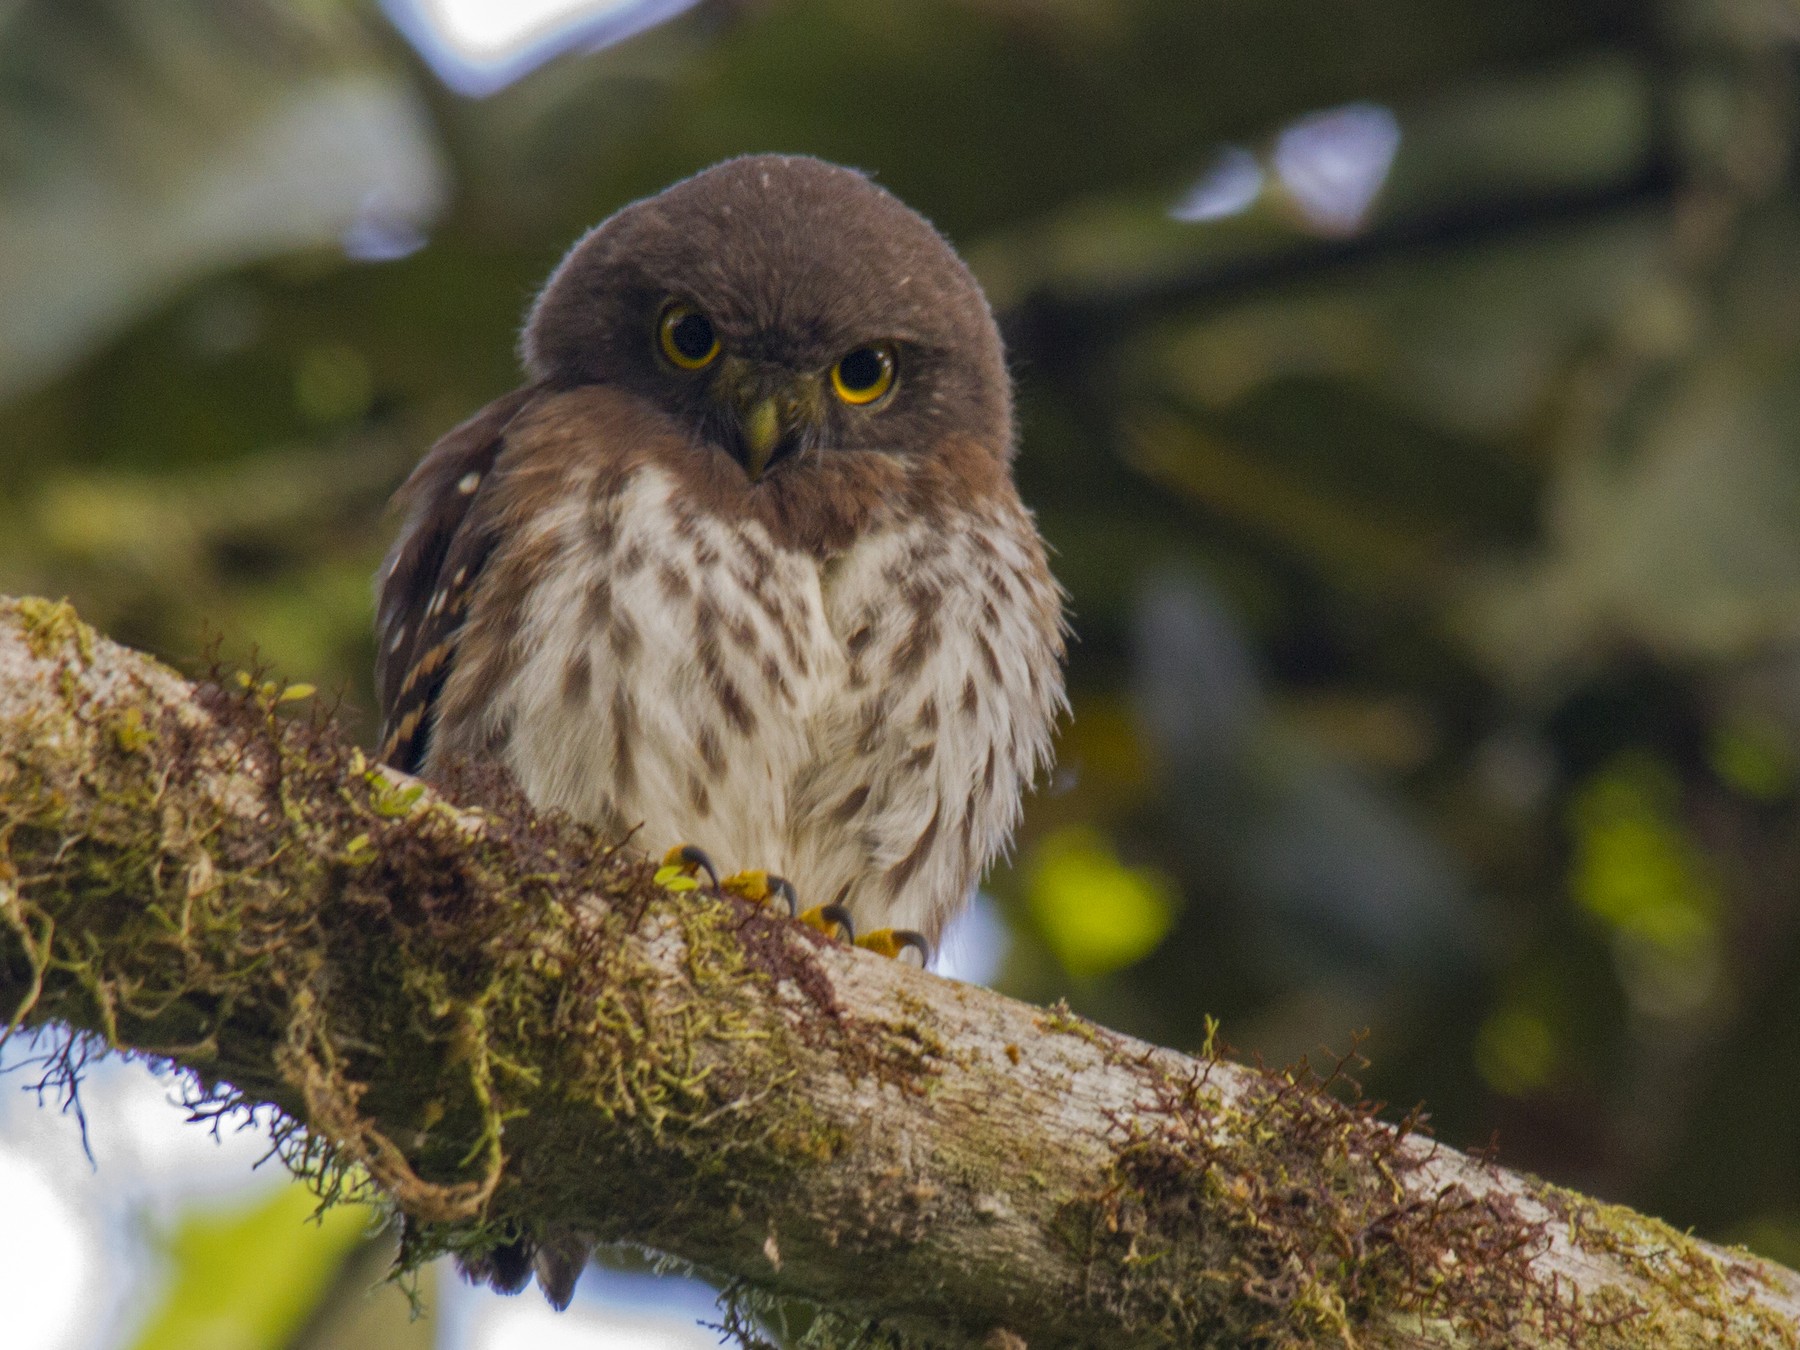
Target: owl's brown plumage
[(714, 580)]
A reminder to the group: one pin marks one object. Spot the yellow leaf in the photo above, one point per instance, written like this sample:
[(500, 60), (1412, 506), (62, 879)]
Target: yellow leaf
[(248, 1278), (1095, 913)]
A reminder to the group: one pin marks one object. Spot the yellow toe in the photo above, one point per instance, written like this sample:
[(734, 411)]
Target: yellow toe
[(751, 884), (831, 920), (682, 866), (894, 943)]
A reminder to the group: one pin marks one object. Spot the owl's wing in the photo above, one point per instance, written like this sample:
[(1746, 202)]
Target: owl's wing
[(425, 583)]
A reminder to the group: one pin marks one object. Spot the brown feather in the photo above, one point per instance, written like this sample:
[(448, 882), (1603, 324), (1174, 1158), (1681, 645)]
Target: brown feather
[(434, 559)]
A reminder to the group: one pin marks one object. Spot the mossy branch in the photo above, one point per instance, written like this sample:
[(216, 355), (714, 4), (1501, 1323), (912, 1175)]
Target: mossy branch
[(509, 1026)]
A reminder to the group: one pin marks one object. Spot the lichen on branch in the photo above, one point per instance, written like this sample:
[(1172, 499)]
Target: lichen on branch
[(504, 1024)]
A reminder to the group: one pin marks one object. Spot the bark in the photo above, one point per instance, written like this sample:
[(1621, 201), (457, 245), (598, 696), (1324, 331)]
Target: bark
[(510, 1026)]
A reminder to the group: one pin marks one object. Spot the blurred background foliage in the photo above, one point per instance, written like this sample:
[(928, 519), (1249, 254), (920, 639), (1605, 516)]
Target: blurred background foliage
[(1410, 389)]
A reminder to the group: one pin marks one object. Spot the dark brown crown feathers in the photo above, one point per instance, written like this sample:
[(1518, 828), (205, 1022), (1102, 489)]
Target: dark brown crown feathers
[(794, 260)]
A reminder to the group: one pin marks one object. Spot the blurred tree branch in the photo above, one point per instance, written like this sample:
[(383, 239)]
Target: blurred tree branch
[(508, 1026), (1048, 326)]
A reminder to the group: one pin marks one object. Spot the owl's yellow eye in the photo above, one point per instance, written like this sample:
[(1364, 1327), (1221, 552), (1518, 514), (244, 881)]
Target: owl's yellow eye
[(864, 375), (687, 337)]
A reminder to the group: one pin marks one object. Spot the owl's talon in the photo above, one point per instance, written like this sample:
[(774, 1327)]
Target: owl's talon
[(829, 920), (789, 896), (894, 943), (686, 860), (760, 888)]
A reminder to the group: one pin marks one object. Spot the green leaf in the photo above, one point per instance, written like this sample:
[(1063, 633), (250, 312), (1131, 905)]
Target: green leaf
[(249, 1278), (1095, 913)]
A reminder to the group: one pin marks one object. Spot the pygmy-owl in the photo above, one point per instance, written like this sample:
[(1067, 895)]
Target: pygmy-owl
[(743, 565)]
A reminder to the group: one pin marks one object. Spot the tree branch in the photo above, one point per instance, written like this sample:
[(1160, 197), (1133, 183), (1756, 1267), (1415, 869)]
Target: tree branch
[(1054, 321), (509, 1026)]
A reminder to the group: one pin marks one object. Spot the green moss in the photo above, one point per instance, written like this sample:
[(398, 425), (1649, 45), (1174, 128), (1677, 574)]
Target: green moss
[(52, 626), (439, 995), (1062, 1021), (1681, 1294), (129, 732), (1278, 1215), (466, 962)]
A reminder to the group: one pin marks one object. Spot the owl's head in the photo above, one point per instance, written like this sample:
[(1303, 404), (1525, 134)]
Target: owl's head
[(780, 307)]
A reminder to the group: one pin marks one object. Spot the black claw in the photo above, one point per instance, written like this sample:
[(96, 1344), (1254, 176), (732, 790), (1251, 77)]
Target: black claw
[(696, 857), (907, 938), (841, 917), (785, 889)]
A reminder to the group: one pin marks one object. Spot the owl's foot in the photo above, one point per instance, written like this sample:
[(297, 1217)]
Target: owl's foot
[(760, 888), (834, 922), (831, 920), (683, 864), (896, 943), (681, 868)]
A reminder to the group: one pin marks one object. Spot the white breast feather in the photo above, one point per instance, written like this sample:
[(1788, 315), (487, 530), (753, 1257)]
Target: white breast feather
[(858, 785)]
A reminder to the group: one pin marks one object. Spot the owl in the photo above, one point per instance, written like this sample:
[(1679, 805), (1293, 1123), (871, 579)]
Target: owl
[(742, 565)]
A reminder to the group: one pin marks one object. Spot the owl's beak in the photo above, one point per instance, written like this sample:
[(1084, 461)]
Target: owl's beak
[(773, 411), (759, 425)]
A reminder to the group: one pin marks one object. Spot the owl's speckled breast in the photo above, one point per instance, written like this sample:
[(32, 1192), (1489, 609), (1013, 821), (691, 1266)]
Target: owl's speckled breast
[(862, 726)]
